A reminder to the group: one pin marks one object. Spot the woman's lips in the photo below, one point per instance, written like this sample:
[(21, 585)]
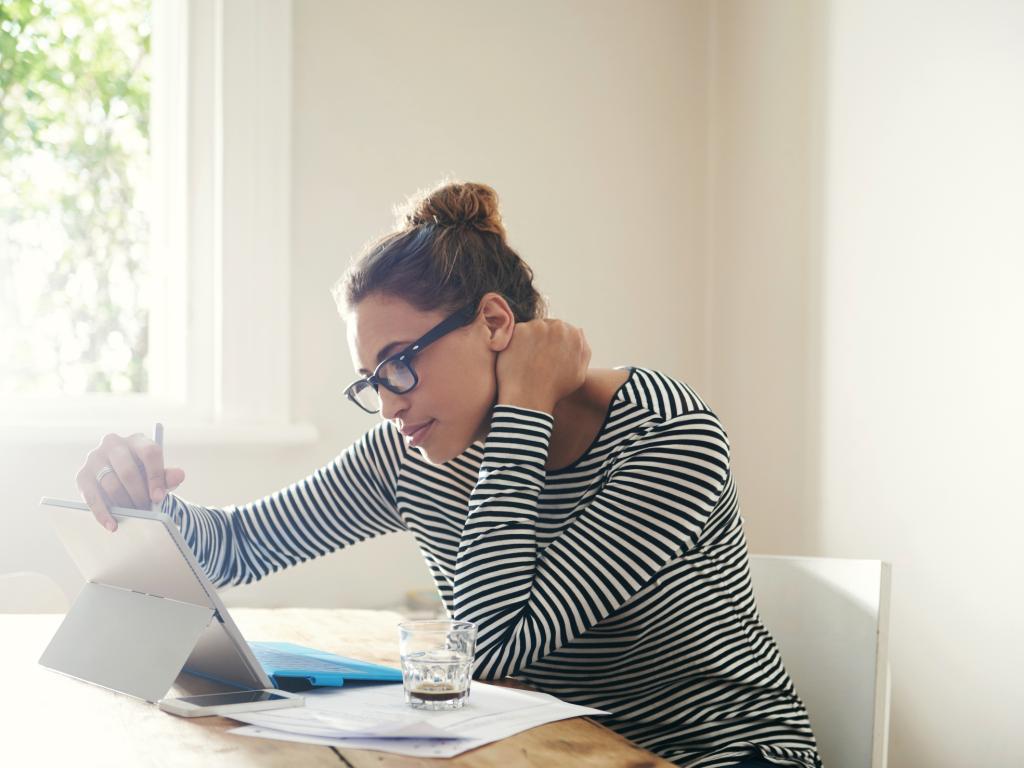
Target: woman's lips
[(417, 437)]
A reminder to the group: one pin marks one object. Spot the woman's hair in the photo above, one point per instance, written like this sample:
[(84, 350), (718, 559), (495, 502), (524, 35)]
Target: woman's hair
[(447, 250)]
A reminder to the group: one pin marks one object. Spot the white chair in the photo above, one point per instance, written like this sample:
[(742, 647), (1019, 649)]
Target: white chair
[(31, 592), (830, 619)]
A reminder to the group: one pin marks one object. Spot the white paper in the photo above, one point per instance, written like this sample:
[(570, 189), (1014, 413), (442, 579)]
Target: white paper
[(377, 717)]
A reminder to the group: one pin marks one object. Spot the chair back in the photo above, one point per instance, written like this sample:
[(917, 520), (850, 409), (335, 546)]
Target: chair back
[(830, 620)]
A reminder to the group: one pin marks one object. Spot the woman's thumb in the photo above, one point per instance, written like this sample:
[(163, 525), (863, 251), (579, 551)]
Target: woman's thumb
[(173, 477)]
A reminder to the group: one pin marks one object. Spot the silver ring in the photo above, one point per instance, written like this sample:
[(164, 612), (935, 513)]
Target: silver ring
[(107, 469)]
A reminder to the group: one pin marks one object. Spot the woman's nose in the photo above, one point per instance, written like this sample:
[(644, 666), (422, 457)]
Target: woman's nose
[(391, 405)]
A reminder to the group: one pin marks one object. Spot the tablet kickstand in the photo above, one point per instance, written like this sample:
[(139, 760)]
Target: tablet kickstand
[(126, 641)]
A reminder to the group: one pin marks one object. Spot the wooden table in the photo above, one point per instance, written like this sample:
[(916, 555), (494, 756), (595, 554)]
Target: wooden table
[(48, 719)]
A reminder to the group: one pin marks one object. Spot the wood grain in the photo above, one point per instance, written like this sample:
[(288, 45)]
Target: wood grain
[(56, 720)]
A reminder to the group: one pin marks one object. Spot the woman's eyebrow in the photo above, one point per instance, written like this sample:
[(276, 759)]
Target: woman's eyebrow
[(384, 353)]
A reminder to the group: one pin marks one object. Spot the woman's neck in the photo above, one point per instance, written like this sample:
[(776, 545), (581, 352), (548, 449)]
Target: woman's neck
[(580, 416)]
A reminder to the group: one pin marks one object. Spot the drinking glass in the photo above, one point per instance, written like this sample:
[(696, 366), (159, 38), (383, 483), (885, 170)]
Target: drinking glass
[(437, 662)]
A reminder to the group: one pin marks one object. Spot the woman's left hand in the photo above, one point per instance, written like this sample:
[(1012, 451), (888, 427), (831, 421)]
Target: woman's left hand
[(545, 361)]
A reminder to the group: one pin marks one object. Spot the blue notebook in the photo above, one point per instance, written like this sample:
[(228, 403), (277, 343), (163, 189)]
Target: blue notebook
[(296, 667)]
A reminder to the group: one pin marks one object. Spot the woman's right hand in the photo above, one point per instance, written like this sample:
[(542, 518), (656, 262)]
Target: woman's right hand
[(138, 480)]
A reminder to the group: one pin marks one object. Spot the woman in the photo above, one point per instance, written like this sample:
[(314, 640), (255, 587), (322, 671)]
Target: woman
[(586, 520)]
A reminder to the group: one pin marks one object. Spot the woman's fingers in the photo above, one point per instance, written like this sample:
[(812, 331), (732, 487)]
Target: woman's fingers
[(101, 493), (112, 492), (92, 497), (138, 478), (151, 457), (545, 361), (130, 478)]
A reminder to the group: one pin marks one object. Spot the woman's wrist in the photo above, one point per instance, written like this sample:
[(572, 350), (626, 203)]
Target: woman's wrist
[(531, 400)]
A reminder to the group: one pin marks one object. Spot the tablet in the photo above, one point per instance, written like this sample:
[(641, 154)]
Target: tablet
[(147, 555)]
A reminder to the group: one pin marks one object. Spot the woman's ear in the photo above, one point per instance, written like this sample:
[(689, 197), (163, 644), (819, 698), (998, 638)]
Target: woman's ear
[(499, 320)]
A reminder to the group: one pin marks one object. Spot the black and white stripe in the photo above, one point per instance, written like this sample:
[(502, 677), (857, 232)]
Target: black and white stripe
[(619, 582)]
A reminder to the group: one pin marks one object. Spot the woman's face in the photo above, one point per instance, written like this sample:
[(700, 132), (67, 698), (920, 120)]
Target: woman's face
[(457, 385)]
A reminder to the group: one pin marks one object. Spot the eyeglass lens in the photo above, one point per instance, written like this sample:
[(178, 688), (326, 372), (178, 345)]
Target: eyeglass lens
[(394, 374)]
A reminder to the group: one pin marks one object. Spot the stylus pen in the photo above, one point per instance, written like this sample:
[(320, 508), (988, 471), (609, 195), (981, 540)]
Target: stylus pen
[(158, 438)]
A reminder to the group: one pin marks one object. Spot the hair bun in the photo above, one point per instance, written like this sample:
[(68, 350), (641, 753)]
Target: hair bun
[(454, 204)]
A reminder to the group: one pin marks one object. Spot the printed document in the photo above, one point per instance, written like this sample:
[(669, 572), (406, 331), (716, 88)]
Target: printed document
[(376, 716)]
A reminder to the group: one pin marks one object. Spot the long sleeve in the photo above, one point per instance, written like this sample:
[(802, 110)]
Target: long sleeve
[(351, 499), (653, 506)]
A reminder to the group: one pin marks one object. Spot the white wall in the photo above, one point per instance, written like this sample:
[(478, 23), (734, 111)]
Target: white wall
[(923, 372), (763, 318), (589, 120), (879, 196), (587, 117)]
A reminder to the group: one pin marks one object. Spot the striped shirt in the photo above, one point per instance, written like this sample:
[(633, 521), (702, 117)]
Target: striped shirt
[(619, 582)]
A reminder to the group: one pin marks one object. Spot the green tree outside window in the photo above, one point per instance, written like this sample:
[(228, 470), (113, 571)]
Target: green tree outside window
[(74, 195)]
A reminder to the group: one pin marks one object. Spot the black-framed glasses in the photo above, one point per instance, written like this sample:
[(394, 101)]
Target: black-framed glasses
[(396, 373)]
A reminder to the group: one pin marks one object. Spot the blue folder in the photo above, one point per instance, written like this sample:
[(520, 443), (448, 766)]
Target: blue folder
[(294, 667)]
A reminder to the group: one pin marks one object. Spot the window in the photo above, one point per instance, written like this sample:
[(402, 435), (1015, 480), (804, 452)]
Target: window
[(74, 186), (181, 342)]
